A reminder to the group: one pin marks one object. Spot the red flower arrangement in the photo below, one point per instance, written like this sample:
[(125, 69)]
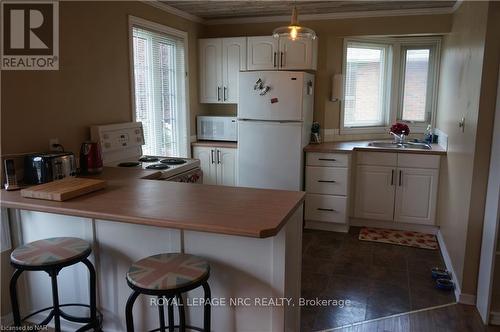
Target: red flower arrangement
[(400, 128)]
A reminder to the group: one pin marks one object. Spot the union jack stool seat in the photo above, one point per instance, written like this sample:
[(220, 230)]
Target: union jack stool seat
[(52, 255), (168, 276)]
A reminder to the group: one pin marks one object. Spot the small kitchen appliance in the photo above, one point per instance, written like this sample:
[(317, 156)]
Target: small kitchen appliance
[(122, 147), (90, 158), (217, 128), (13, 171), (45, 167)]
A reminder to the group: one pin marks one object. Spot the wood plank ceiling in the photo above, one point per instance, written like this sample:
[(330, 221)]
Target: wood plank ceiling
[(211, 9)]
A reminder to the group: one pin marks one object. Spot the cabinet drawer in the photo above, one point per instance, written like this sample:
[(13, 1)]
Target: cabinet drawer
[(326, 180), (376, 158), (326, 208), (327, 159), (418, 160)]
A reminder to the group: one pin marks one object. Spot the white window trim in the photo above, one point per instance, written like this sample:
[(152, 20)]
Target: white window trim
[(395, 75), (134, 21)]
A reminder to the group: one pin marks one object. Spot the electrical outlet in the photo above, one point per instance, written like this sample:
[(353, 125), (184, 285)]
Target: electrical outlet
[(53, 141)]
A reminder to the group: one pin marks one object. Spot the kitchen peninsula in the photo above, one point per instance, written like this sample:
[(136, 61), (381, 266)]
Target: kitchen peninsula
[(251, 237)]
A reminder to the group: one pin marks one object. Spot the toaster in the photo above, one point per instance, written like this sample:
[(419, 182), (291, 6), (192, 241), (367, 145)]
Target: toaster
[(45, 167)]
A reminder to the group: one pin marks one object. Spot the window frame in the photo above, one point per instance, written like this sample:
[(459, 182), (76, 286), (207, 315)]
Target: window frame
[(395, 85), (141, 23)]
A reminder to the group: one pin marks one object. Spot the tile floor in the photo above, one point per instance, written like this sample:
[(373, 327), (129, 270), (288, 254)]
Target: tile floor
[(379, 279)]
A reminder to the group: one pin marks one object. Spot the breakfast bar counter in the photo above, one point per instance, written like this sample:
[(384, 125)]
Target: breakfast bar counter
[(252, 239)]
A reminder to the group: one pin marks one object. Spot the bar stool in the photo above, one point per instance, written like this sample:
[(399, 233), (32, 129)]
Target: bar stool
[(167, 276), (52, 255)]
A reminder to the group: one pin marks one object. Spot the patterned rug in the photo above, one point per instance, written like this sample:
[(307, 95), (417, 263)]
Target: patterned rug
[(402, 238)]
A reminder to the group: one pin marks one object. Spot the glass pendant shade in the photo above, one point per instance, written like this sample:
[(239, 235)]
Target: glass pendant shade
[(294, 30)]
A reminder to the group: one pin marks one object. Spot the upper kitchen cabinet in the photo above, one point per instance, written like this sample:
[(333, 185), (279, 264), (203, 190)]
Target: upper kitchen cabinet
[(267, 53), (221, 59), (262, 53)]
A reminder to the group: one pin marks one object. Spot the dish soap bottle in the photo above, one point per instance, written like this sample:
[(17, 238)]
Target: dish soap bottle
[(428, 135)]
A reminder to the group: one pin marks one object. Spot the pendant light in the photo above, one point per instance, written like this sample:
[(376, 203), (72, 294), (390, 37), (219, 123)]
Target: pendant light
[(294, 30)]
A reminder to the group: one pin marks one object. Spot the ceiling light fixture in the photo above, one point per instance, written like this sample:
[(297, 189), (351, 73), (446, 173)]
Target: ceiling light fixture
[(294, 30)]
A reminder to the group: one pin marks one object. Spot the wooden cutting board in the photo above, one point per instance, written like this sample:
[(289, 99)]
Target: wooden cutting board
[(61, 190)]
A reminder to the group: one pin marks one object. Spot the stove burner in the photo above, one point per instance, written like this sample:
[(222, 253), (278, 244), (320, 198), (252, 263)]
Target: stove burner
[(157, 166), (129, 164), (148, 159), (173, 161)]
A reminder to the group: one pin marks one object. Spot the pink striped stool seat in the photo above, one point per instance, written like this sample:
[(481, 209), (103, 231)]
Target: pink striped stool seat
[(53, 251), (167, 271)]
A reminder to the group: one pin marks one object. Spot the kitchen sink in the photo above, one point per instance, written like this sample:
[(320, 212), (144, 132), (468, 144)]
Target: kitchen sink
[(405, 145)]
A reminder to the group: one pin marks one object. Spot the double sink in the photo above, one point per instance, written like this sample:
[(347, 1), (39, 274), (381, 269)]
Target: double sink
[(403, 145)]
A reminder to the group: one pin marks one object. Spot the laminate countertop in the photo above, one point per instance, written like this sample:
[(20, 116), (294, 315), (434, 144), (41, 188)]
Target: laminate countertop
[(350, 146), (133, 196)]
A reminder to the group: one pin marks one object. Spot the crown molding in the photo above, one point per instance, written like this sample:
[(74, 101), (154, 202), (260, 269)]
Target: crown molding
[(174, 11), (304, 17)]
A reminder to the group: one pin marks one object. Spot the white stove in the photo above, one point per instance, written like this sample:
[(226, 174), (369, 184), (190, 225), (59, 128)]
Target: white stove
[(121, 146)]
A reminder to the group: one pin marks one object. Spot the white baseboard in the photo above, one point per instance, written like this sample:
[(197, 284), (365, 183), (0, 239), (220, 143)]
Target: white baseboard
[(7, 320), (429, 229), (460, 297), (327, 226), (495, 318)]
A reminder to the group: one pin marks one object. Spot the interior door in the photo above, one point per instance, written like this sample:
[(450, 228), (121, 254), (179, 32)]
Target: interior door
[(296, 54), (226, 166), (270, 155), (375, 188), (282, 102), (234, 60), (416, 195), (208, 165), (262, 53), (210, 52)]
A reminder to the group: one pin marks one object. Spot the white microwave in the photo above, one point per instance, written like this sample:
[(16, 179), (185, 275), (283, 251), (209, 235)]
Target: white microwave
[(217, 128)]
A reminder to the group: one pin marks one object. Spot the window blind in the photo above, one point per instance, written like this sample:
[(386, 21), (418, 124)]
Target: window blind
[(160, 96), (416, 73)]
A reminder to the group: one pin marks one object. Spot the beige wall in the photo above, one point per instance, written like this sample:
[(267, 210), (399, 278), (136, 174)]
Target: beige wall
[(467, 88), (330, 48), (93, 83)]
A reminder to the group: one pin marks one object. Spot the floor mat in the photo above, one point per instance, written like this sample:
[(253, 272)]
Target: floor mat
[(402, 238)]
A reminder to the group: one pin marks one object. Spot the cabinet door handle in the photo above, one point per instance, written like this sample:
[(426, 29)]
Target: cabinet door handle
[(392, 177), (327, 181), (281, 59), (274, 59), (322, 209), (400, 178), (224, 93), (212, 155), (327, 159), (218, 93), (218, 156)]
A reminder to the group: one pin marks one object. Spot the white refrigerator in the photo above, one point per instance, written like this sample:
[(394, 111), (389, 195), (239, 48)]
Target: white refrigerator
[(275, 111)]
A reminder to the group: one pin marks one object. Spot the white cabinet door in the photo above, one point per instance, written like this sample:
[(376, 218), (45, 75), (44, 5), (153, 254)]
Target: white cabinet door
[(416, 195), (262, 53), (226, 166), (210, 52), (207, 157), (297, 54), (375, 187), (234, 60)]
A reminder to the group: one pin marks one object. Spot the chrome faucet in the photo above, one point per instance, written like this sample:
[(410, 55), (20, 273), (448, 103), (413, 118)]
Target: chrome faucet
[(400, 139)]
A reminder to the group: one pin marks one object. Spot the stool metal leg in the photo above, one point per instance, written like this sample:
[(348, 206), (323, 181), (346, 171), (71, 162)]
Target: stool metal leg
[(171, 323), (161, 313), (55, 300), (206, 313), (128, 311), (92, 291), (182, 314), (13, 297)]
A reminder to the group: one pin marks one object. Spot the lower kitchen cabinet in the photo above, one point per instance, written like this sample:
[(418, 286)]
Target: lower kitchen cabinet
[(218, 164)]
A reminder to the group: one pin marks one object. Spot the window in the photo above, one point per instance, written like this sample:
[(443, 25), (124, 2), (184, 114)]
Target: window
[(160, 88), (388, 80)]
